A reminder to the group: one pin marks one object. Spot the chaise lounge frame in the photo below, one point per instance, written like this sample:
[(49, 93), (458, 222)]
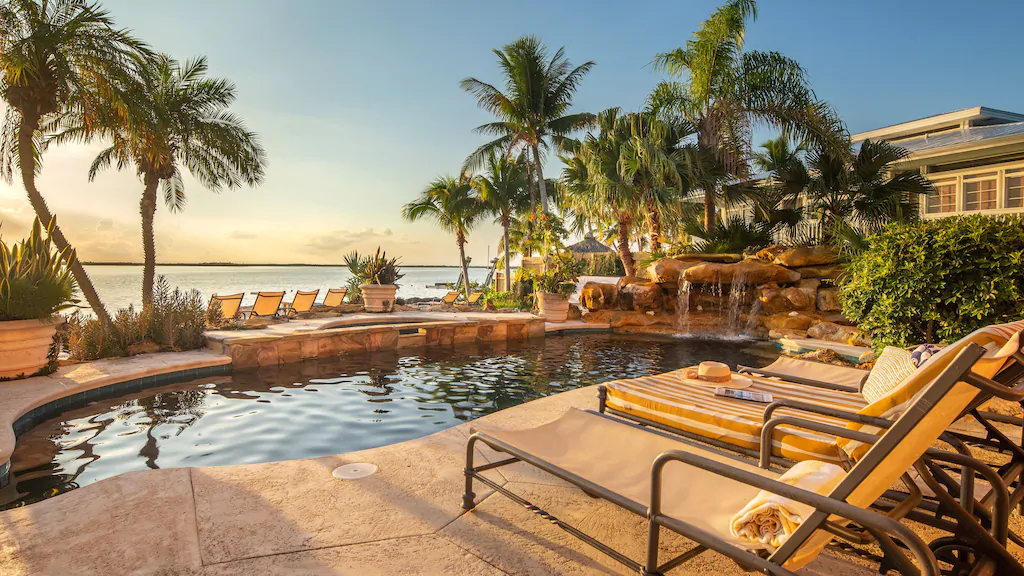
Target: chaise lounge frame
[(987, 544)]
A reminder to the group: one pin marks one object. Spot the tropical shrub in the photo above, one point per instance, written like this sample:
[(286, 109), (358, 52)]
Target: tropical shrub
[(377, 269), (510, 299), (175, 321), (603, 265), (561, 272), (35, 281), (937, 280)]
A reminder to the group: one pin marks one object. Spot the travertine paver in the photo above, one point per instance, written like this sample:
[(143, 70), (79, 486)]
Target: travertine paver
[(135, 523), (295, 518), (263, 509), (399, 557)]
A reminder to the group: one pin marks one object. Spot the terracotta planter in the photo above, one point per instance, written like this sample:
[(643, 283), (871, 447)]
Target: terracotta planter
[(24, 346), (553, 307), (378, 297)]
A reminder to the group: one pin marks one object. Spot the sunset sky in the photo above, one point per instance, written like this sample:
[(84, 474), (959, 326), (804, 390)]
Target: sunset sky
[(358, 105)]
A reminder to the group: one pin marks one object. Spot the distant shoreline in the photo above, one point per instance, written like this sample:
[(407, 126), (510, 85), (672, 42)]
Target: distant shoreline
[(223, 264)]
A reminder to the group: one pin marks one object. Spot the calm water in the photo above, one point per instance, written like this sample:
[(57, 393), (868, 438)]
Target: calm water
[(331, 406), (120, 286)]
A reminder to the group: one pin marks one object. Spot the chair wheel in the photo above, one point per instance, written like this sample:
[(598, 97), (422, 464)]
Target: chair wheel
[(956, 557)]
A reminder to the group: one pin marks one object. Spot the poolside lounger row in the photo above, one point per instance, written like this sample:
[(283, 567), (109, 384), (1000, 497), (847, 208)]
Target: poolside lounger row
[(638, 468), (271, 304), (452, 297)]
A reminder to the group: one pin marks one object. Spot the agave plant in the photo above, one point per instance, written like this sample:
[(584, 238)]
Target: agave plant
[(35, 281), (377, 269)]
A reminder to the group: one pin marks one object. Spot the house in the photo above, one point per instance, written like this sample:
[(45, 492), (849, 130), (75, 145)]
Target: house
[(974, 157)]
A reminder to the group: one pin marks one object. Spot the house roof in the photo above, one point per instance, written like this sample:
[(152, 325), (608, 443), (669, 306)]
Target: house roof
[(589, 246), (974, 134), (946, 120)]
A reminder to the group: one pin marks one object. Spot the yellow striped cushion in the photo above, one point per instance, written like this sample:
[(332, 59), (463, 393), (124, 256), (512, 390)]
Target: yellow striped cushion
[(892, 405), (664, 399), (892, 367)]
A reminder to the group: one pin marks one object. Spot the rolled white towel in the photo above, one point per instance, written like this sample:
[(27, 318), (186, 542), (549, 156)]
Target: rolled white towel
[(769, 519)]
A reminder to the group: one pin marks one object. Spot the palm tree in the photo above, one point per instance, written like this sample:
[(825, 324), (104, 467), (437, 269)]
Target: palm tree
[(534, 106), (502, 190), (853, 199), (56, 56), (454, 206), (724, 91), (179, 117)]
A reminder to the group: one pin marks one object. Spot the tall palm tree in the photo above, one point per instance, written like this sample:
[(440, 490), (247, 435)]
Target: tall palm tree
[(454, 206), (502, 188), (179, 117), (853, 199), (723, 91), (56, 56), (534, 106)]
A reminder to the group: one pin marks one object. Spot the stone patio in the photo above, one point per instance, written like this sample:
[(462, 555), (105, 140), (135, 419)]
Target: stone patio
[(295, 517)]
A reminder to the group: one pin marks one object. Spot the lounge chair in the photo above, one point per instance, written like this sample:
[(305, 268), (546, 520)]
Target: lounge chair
[(335, 297), (474, 297), (699, 492), (451, 297), (267, 305), (694, 411), (302, 302), (229, 304)]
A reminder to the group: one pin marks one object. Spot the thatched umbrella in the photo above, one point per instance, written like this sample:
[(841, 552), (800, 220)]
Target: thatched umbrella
[(588, 248)]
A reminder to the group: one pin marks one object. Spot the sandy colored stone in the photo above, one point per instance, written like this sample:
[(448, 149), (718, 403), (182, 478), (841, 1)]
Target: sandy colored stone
[(643, 296), (327, 347), (820, 272), (308, 348), (827, 299), (768, 254), (599, 295), (704, 257), (748, 272), (244, 356), (289, 351), (120, 525), (833, 332), (788, 321), (260, 509), (806, 256), (399, 557), (668, 269)]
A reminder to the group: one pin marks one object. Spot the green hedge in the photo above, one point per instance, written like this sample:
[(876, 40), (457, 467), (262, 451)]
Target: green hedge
[(937, 280)]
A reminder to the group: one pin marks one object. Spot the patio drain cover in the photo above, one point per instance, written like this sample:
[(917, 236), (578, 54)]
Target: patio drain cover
[(354, 471)]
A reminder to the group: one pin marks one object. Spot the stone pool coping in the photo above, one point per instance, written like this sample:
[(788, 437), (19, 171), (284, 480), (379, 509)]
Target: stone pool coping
[(294, 517)]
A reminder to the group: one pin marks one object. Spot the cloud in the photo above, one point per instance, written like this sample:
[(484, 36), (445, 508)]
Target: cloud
[(341, 241), (243, 235), (105, 225)]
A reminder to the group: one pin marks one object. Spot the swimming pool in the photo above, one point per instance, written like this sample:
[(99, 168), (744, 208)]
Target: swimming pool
[(330, 406)]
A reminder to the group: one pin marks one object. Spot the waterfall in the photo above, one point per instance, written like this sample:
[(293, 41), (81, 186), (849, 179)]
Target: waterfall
[(683, 295)]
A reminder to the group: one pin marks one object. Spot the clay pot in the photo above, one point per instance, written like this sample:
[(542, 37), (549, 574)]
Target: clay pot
[(378, 297), (25, 346), (553, 307)]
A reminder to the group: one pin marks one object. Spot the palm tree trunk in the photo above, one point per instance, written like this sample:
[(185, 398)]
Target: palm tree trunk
[(461, 239), (506, 221), (27, 163), (709, 212), (529, 184), (147, 207), (654, 222), (540, 180), (625, 254)]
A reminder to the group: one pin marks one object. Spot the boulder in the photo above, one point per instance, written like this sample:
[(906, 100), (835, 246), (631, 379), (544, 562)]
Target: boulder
[(809, 256), (770, 252), (642, 296), (626, 281), (621, 319), (665, 270), (748, 272), (788, 321), (799, 299), (702, 257), (820, 272), (775, 299), (771, 298), (832, 332), (598, 296), (780, 334), (828, 299)]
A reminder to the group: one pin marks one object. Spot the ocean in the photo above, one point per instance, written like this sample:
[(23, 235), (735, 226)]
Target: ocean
[(121, 285)]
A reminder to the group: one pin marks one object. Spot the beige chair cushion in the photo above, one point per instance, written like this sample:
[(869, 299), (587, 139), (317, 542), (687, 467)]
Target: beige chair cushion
[(891, 368)]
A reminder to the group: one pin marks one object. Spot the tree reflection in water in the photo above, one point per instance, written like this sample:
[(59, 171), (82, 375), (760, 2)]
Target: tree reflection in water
[(329, 406)]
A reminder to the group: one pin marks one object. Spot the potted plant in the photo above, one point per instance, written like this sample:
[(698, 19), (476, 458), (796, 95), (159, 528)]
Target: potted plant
[(377, 276), (35, 284), (554, 286)]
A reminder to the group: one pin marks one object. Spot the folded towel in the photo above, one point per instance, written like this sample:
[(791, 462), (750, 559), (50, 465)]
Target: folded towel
[(769, 519)]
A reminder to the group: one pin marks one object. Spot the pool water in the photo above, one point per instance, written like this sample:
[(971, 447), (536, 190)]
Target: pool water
[(330, 406)]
